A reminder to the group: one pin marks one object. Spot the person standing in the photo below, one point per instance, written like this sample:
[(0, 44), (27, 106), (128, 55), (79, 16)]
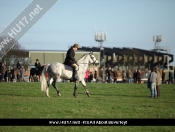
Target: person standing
[(7, 75), (18, 66), (91, 77), (149, 82), (22, 74), (86, 75), (139, 75), (95, 74), (135, 76), (124, 78), (153, 80), (158, 82), (101, 73), (163, 76), (108, 74), (115, 76), (3, 68), (171, 77), (129, 74), (12, 74)]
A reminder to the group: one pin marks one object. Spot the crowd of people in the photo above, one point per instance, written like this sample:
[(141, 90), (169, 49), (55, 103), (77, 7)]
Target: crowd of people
[(89, 76), (122, 76), (7, 73), (114, 76), (111, 75)]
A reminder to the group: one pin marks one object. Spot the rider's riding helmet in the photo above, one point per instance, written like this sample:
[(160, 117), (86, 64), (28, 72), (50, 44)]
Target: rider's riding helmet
[(76, 45)]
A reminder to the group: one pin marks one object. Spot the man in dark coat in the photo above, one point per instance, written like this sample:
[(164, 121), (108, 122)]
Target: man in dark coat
[(171, 77), (18, 65), (70, 60), (135, 76), (37, 66)]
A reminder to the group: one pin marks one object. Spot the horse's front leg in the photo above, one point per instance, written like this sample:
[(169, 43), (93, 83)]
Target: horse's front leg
[(19, 77), (75, 88), (29, 78), (35, 78), (54, 85), (38, 78), (16, 78), (84, 85)]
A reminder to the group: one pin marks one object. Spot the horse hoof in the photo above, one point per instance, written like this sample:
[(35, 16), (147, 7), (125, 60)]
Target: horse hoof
[(75, 95), (88, 94), (59, 94), (48, 96)]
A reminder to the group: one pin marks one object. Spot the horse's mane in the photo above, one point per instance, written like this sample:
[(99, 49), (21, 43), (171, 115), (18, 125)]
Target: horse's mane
[(82, 56)]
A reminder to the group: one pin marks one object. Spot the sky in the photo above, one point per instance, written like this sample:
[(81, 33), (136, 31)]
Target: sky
[(128, 23)]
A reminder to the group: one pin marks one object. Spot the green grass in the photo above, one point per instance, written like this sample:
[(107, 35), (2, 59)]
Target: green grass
[(26, 100)]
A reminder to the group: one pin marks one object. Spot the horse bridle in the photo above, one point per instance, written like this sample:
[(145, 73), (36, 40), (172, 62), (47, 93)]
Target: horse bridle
[(93, 59), (90, 54)]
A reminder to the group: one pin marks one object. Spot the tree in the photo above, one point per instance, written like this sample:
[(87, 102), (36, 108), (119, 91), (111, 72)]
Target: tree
[(12, 51)]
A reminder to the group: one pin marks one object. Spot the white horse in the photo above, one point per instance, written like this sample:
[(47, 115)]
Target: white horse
[(59, 70)]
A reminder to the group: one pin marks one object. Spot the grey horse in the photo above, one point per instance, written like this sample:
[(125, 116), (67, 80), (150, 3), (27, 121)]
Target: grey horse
[(58, 70)]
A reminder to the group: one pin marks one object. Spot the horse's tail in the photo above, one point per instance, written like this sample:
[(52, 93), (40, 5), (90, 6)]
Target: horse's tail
[(44, 81)]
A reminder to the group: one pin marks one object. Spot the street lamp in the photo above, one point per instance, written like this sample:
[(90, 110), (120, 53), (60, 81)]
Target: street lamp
[(101, 37), (157, 48), (157, 39)]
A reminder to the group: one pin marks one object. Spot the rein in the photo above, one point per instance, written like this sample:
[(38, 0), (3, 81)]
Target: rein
[(88, 63), (91, 58)]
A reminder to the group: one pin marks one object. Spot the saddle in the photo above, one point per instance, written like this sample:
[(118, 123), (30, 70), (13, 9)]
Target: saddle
[(74, 75)]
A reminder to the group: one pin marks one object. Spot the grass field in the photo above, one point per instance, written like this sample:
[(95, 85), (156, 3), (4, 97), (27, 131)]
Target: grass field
[(26, 100)]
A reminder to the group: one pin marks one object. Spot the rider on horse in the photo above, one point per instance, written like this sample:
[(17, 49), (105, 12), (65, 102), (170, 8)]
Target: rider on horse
[(37, 66), (18, 65), (70, 60)]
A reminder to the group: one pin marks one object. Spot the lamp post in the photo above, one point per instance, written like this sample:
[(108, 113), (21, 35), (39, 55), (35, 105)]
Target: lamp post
[(157, 48), (157, 39), (101, 37)]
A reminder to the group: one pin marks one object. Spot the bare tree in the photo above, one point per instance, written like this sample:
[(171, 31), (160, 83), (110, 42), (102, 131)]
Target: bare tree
[(12, 51)]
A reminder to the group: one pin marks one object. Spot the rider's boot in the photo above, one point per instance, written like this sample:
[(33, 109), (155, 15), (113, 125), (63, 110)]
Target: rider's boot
[(75, 76)]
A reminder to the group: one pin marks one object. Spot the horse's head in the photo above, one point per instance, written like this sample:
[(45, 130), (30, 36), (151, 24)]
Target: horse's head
[(93, 59)]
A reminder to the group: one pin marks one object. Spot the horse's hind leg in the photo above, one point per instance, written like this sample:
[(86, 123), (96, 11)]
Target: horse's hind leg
[(84, 85), (54, 85), (47, 88), (75, 88)]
